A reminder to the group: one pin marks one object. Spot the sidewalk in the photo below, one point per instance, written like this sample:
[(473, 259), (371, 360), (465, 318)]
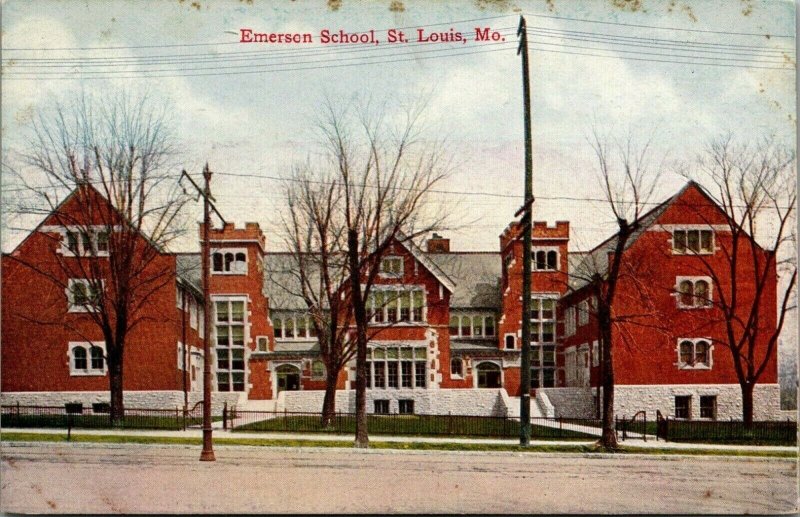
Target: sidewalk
[(222, 434)]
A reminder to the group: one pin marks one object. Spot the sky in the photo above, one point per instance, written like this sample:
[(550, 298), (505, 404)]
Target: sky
[(252, 110)]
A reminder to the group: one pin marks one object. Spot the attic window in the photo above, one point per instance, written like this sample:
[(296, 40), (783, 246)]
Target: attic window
[(392, 266), (692, 241)]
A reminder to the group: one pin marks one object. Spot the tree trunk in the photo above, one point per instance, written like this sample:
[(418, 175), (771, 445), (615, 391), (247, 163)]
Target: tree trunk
[(609, 437), (360, 316), (115, 386), (329, 402), (747, 403)]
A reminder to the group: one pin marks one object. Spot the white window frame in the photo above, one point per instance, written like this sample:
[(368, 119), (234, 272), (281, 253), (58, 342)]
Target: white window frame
[(547, 250), (697, 303), (245, 323), (405, 289), (694, 341), (71, 305), (570, 326), (193, 314), (392, 274), (471, 316), (233, 270), (262, 339), (300, 321), (514, 341), (583, 313), (690, 228), (179, 294), (414, 360), (92, 231), (181, 357), (89, 371), (324, 374)]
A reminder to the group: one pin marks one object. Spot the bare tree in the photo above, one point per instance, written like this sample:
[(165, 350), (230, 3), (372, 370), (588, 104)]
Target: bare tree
[(755, 186), (628, 176), (386, 169), (98, 169), (314, 234)]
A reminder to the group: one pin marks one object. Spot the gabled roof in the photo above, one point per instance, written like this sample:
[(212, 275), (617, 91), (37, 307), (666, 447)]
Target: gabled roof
[(423, 259), (596, 259)]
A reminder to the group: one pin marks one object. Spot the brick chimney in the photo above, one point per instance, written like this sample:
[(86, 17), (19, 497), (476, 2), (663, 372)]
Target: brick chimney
[(438, 244)]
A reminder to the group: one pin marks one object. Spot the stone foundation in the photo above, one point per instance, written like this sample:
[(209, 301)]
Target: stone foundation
[(478, 402), (132, 399)]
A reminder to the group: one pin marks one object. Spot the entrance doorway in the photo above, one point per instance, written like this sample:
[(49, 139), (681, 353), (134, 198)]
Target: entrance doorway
[(489, 376), (288, 378)]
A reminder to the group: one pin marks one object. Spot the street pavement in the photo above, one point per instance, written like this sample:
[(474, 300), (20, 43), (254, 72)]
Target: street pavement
[(128, 478)]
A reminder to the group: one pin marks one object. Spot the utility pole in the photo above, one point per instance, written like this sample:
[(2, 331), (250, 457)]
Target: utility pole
[(208, 448), (525, 374)]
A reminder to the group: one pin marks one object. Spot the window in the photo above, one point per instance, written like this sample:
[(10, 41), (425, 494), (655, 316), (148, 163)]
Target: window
[(398, 304), (489, 375), (381, 407), (230, 262), (683, 406), (87, 359), (692, 241), (477, 326), (181, 357), (708, 406), (262, 343), (293, 326), (86, 242), (543, 350), (230, 338), (456, 367), (83, 295), (406, 406), (397, 366), (569, 321), (583, 313), (544, 259), (693, 292), (596, 353), (392, 266), (511, 341), (179, 297), (694, 354), (193, 314), (318, 370)]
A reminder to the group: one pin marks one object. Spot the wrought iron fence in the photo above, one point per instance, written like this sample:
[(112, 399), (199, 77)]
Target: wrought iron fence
[(413, 424), (97, 416), (776, 432)]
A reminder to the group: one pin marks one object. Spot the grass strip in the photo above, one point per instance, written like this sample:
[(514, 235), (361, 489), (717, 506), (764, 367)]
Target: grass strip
[(423, 446)]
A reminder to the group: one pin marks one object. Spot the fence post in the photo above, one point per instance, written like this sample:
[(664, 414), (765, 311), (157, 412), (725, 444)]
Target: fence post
[(225, 415)]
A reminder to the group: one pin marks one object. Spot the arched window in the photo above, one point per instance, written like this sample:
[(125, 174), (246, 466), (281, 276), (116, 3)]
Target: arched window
[(489, 375), (686, 291), (701, 293), (456, 367), (701, 353), (228, 261), (552, 260), (687, 352), (318, 370), (97, 358), (241, 263), (79, 358), (541, 260), (217, 259), (510, 341)]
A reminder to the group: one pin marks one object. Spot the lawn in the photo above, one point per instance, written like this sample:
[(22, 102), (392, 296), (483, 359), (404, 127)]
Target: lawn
[(415, 425)]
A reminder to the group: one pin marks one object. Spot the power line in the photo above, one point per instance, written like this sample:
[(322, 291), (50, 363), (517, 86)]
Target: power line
[(682, 29)]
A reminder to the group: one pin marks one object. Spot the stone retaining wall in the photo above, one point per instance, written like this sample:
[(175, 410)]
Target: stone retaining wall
[(133, 399), (478, 402), (570, 402)]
